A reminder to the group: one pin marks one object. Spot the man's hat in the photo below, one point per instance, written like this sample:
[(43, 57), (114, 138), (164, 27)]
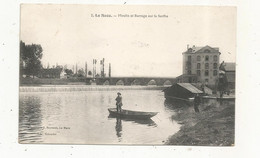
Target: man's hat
[(119, 93)]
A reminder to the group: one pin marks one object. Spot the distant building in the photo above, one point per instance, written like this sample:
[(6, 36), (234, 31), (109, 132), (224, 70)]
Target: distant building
[(200, 64), (63, 74)]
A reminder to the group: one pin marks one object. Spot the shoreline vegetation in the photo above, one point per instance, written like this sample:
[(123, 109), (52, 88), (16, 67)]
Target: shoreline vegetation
[(214, 125)]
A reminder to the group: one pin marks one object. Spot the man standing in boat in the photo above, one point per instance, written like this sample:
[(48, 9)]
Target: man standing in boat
[(119, 103)]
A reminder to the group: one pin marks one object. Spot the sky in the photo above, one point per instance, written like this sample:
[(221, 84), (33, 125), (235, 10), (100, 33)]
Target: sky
[(135, 46)]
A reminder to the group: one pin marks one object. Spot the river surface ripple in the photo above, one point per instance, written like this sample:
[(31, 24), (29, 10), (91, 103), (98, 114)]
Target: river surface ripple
[(83, 118)]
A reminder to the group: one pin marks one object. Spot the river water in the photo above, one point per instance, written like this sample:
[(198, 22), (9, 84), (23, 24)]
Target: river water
[(83, 118)]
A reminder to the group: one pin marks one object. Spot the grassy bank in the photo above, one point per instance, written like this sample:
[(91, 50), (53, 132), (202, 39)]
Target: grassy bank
[(213, 126)]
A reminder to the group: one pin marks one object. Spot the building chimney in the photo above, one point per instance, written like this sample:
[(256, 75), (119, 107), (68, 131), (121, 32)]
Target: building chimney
[(187, 46)]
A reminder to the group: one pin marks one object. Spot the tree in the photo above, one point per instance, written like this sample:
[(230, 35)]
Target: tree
[(89, 73), (30, 59), (81, 73), (22, 58), (68, 72)]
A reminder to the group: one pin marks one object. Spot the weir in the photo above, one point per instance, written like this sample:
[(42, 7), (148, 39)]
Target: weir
[(67, 88)]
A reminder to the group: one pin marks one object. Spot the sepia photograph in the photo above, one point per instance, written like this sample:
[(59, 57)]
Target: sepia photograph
[(127, 74)]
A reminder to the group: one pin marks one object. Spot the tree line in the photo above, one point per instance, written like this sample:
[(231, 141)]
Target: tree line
[(30, 61)]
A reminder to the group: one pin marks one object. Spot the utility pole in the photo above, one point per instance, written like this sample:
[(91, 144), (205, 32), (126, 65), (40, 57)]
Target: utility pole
[(103, 67), (94, 67), (76, 68), (86, 69), (109, 71)]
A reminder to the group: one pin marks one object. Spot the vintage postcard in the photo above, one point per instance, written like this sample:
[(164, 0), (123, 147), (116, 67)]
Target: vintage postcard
[(135, 75)]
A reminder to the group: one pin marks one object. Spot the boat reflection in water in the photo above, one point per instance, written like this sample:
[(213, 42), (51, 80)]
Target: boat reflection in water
[(119, 129), (119, 126)]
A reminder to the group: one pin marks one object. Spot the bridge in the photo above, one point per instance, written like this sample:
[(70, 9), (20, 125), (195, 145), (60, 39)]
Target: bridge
[(144, 81)]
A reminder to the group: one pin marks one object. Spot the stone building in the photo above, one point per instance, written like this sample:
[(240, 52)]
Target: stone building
[(201, 64)]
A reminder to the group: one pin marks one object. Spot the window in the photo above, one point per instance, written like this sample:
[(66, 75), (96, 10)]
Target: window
[(198, 66), (189, 65), (189, 58), (198, 72), (189, 72), (215, 58), (206, 80), (206, 58), (215, 72), (207, 66), (215, 65), (206, 72), (198, 58)]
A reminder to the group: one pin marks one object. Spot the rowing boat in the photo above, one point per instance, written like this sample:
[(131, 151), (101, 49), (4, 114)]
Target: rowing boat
[(131, 114)]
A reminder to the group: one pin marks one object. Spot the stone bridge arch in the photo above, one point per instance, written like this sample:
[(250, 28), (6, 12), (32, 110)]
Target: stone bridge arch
[(120, 82), (135, 82), (159, 81), (152, 82), (106, 82), (167, 83)]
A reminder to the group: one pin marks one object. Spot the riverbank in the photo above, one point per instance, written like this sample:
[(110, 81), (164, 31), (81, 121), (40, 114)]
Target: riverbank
[(213, 126), (71, 88)]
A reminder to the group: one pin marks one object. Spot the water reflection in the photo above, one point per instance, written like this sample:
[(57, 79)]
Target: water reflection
[(118, 128), (176, 104), (86, 115), (30, 120)]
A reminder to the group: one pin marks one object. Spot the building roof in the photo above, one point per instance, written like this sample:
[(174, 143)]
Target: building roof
[(230, 66), (195, 49), (190, 87)]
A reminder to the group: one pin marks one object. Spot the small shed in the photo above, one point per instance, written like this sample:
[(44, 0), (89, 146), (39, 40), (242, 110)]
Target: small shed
[(182, 91)]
